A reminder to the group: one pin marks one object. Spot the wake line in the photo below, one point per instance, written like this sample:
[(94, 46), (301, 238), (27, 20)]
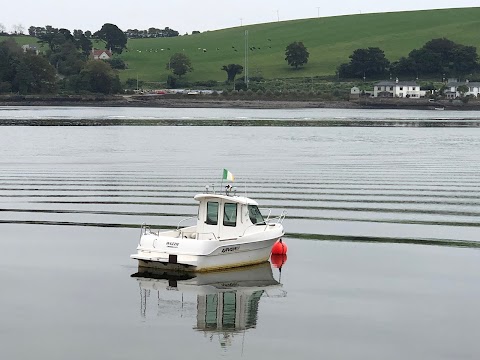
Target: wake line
[(313, 190), (284, 184), (327, 208), (339, 200), (301, 236), (387, 240), (291, 217)]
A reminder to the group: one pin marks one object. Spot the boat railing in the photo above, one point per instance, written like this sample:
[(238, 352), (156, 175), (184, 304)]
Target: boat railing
[(181, 221), (144, 229), (279, 219), (268, 221)]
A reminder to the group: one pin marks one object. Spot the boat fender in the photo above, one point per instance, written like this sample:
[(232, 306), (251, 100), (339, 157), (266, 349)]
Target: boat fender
[(279, 248)]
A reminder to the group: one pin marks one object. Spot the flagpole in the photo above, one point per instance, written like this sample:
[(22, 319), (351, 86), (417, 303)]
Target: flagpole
[(221, 185)]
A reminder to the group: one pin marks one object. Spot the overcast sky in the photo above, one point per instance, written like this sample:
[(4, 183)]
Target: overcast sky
[(188, 15)]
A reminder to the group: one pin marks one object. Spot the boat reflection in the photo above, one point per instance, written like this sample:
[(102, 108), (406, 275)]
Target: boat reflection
[(226, 302)]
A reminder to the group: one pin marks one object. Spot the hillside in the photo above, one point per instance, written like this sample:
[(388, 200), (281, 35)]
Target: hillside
[(329, 40)]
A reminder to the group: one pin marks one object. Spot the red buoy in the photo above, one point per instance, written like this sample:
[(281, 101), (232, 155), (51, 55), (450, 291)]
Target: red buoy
[(278, 260), (279, 248)]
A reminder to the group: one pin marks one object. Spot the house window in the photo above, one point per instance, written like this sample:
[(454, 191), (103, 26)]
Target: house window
[(230, 215), (212, 213), (401, 88)]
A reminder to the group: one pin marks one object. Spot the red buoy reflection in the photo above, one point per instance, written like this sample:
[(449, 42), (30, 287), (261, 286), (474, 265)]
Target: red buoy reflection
[(278, 260)]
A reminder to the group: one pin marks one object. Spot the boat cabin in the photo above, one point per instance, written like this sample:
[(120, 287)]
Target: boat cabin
[(225, 217)]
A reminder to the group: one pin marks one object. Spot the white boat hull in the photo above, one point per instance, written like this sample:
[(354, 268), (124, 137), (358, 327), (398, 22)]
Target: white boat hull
[(163, 252)]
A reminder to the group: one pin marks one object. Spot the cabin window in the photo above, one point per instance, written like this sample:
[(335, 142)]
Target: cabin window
[(212, 213), (255, 215), (230, 215)]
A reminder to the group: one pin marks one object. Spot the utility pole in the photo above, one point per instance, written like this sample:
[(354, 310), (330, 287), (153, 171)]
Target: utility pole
[(278, 15), (318, 11), (241, 21), (246, 58)]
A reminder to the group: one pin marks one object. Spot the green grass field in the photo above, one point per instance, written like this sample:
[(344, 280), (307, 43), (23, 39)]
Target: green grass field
[(329, 40)]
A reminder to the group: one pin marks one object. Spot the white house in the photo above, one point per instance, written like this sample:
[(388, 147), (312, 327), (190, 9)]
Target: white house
[(451, 92), (355, 92), (101, 54), (402, 89), (31, 48)]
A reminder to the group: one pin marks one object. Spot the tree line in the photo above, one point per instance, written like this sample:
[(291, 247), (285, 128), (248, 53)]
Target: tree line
[(151, 33), (36, 31), (437, 57), (65, 66)]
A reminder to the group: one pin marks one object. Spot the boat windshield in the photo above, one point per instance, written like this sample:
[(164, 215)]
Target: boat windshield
[(255, 215)]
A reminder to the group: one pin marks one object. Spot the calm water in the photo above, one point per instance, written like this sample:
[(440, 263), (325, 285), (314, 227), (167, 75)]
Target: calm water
[(382, 230)]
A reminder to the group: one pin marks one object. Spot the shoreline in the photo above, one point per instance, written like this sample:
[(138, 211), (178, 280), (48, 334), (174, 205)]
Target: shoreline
[(221, 102)]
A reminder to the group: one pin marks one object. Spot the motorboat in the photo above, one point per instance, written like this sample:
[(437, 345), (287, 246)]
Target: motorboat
[(230, 231)]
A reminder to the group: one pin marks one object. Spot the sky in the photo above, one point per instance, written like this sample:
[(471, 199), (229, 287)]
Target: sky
[(186, 16)]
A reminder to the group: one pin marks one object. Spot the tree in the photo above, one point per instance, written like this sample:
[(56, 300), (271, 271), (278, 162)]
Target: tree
[(52, 37), (82, 42), (117, 64), (2, 29), (443, 56), (10, 52), (463, 89), (232, 71), (25, 73), (403, 66), (365, 62), (180, 64), (35, 75), (32, 31), (18, 29), (371, 61), (99, 77), (67, 59), (114, 38), (296, 54)]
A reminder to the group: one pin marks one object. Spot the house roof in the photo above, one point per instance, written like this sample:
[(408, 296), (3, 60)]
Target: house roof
[(469, 84), (97, 52), (393, 83)]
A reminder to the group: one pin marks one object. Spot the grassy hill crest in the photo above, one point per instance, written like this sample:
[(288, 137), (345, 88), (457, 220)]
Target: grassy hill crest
[(329, 40)]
